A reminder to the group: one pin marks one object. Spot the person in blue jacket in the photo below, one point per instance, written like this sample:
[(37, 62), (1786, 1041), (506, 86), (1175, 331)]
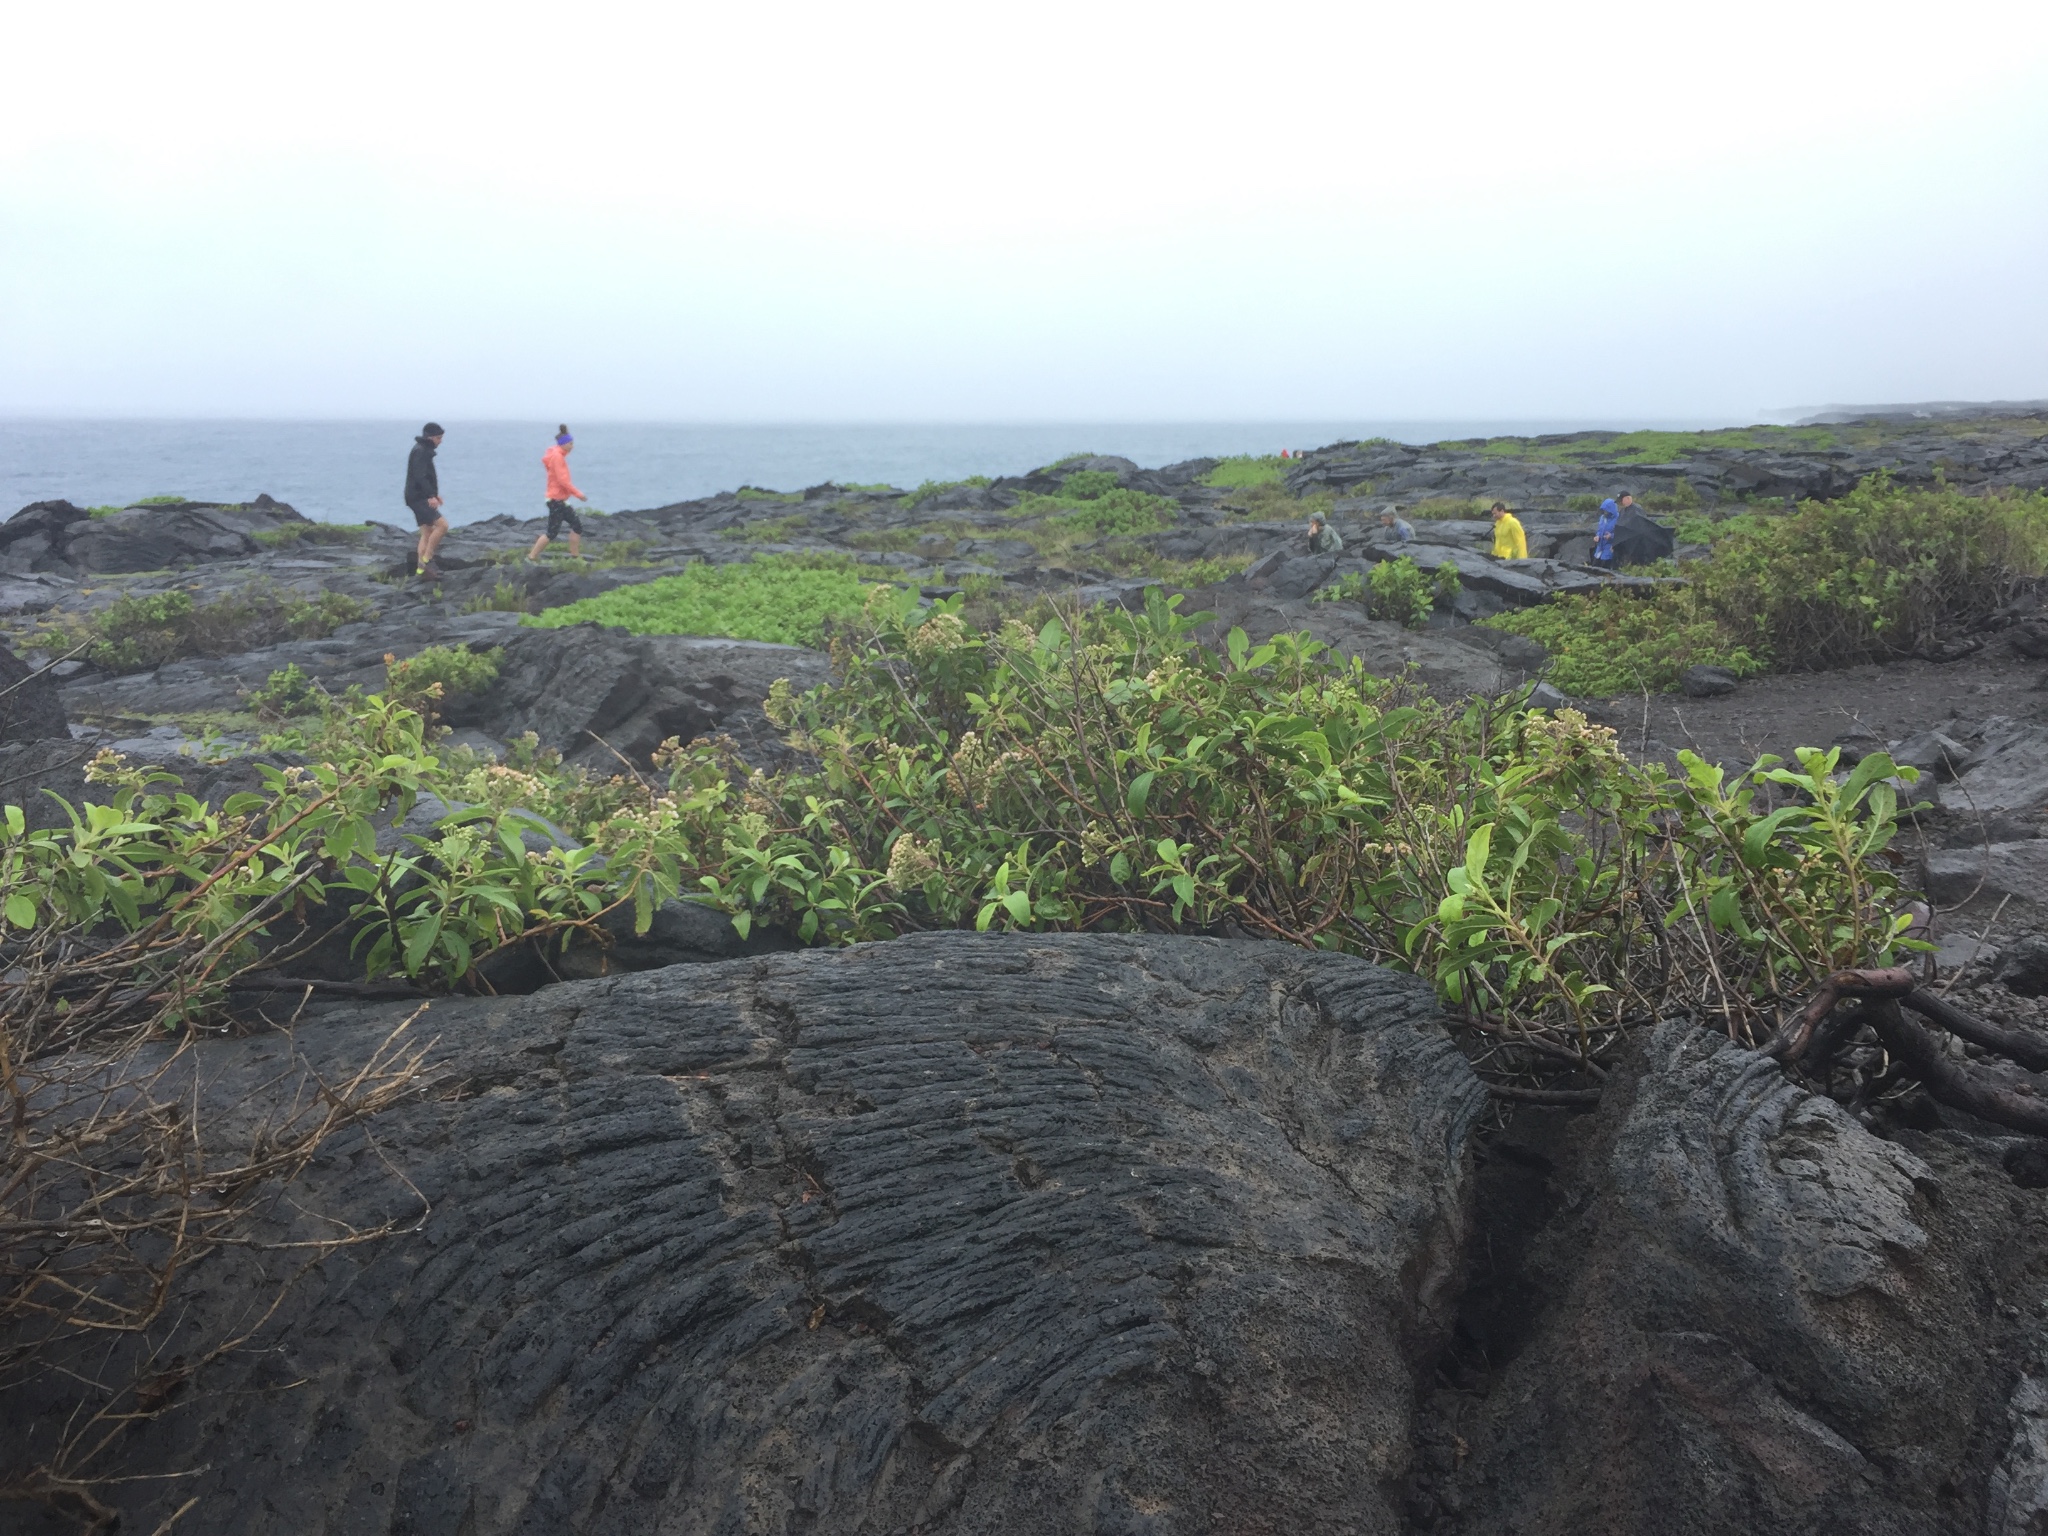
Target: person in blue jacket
[(1603, 532)]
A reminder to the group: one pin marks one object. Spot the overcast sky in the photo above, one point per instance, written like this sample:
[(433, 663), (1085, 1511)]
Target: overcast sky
[(1061, 211)]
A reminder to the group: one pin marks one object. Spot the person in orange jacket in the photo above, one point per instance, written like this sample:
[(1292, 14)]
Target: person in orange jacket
[(560, 489)]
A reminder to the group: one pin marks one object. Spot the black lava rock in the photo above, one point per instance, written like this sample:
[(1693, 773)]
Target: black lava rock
[(1705, 682)]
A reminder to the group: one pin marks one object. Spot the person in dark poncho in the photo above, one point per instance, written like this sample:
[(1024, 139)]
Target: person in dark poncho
[(1639, 540)]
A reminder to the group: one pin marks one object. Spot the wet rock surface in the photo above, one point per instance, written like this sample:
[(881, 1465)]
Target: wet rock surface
[(1027, 1234), (1723, 1305), (953, 1233), (2010, 451)]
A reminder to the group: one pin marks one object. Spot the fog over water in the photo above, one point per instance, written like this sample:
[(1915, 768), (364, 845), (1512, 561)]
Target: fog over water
[(1109, 211)]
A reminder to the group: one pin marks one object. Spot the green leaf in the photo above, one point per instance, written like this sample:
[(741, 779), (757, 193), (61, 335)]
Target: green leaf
[(1018, 905), (21, 911), (1120, 866), (1141, 786), (1478, 849)]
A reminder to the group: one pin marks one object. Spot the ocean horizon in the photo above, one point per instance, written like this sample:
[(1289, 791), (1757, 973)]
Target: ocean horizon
[(352, 470)]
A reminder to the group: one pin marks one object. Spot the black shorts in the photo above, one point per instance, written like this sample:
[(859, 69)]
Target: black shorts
[(425, 515), (559, 512)]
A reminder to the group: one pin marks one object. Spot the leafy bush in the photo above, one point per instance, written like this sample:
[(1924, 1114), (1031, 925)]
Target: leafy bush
[(505, 597), (755, 493), (440, 672), (1453, 507), (1101, 772), (288, 535), (138, 632), (162, 501), (931, 488), (287, 692), (1616, 642), (777, 598), (1088, 484), (1401, 592), (1244, 470), (1120, 512), (1348, 588), (1885, 570), (103, 511)]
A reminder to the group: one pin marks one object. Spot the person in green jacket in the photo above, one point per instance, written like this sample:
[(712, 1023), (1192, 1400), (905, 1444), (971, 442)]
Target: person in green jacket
[(1509, 541), (1322, 538)]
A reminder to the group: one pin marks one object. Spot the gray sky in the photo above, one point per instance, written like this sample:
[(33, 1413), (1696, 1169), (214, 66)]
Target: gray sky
[(1060, 211)]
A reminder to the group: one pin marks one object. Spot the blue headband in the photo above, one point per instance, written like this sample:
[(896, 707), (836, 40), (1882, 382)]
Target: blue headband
[(564, 440)]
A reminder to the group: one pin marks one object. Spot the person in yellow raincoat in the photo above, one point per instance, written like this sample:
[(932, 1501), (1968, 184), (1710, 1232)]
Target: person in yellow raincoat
[(1509, 542)]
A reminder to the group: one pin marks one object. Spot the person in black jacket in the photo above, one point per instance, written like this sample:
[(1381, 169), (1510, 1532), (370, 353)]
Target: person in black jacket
[(423, 495)]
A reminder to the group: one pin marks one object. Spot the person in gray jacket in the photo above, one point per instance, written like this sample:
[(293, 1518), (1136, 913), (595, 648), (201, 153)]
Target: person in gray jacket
[(1322, 538)]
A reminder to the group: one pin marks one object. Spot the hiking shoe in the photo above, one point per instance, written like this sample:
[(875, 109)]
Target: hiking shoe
[(431, 570)]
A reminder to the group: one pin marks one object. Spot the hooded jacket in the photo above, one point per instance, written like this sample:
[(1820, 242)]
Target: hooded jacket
[(1509, 541), (1603, 531), (422, 484), (560, 486)]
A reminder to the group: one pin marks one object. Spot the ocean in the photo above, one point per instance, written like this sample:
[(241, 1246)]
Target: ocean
[(351, 471)]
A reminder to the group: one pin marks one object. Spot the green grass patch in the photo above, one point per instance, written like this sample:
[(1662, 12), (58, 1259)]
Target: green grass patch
[(755, 493), (931, 488), (775, 530), (1241, 471), (290, 535), (781, 598), (1456, 508), (162, 501)]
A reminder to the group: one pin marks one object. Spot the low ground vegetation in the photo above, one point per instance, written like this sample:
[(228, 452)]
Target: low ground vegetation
[(1885, 571), (135, 633), (787, 599)]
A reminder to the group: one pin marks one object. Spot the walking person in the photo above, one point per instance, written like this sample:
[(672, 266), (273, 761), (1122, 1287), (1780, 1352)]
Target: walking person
[(560, 488), (1603, 532), (423, 496), (1509, 541)]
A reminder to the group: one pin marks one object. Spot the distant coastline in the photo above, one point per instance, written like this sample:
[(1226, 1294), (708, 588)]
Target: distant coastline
[(350, 471)]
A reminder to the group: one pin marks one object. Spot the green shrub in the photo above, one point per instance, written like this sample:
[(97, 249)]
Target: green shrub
[(287, 692), (1444, 584), (1617, 642), (505, 597), (1088, 484), (1401, 592), (103, 511), (1348, 588), (1119, 512), (779, 598), (440, 672), (1244, 470), (290, 534), (1583, 503), (774, 530), (931, 488), (755, 493), (134, 633), (1883, 571), (1452, 507), (162, 501)]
